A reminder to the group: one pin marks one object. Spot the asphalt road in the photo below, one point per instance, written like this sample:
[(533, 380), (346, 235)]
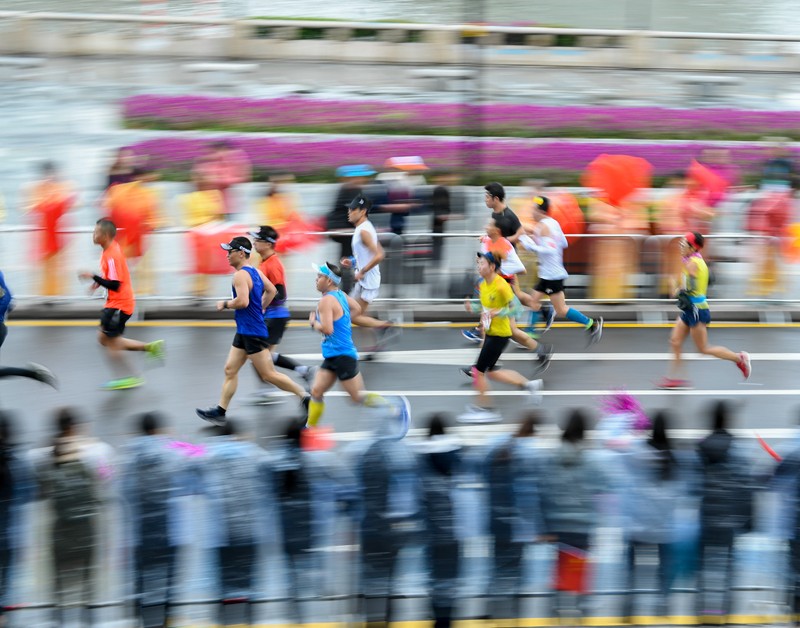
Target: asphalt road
[(422, 365)]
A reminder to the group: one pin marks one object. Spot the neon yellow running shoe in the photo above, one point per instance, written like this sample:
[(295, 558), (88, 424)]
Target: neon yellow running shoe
[(156, 350), (124, 383)]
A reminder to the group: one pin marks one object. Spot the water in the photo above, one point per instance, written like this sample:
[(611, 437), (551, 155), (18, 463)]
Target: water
[(735, 16)]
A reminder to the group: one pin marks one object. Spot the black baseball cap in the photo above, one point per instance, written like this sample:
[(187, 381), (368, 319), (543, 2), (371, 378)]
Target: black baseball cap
[(265, 233), (239, 243), (543, 203), (360, 202), (491, 258)]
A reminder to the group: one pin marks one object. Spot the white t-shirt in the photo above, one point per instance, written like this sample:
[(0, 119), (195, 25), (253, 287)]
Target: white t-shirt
[(372, 279), (549, 249)]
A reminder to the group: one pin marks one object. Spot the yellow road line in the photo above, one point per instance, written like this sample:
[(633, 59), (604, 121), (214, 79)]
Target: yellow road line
[(432, 325)]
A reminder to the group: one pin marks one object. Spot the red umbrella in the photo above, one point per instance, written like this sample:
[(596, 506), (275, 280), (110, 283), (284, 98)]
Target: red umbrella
[(618, 176), (709, 180)]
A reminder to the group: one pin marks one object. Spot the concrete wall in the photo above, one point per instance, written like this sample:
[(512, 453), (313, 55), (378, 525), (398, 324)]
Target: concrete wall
[(78, 35)]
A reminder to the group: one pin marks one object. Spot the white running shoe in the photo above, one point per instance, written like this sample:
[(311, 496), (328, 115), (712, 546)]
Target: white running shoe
[(477, 415), (534, 387)]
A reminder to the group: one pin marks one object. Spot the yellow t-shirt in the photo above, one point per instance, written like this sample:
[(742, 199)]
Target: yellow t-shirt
[(494, 296)]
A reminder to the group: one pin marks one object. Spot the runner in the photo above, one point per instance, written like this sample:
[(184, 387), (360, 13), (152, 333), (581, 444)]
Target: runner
[(276, 316), (367, 255), (695, 316), (510, 266), (510, 228), (120, 302), (32, 370), (496, 300), (548, 242), (252, 293), (340, 358)]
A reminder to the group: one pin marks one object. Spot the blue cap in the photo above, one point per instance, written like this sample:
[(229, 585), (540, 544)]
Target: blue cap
[(358, 170)]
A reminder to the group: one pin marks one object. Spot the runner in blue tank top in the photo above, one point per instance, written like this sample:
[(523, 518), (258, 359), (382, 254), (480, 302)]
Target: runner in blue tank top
[(252, 293), (340, 358)]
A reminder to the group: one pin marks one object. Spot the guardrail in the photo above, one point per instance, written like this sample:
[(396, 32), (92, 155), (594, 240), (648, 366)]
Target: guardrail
[(604, 268), (109, 35)]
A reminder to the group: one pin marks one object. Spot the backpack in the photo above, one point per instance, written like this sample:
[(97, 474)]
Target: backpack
[(72, 490)]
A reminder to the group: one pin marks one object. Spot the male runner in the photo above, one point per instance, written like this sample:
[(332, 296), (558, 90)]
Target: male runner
[(495, 305), (252, 293), (120, 302), (695, 315), (32, 370), (510, 228), (548, 242), (367, 255), (340, 358), (276, 316)]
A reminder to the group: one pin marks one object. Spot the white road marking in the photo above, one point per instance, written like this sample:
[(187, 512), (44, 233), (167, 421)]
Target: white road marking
[(460, 357)]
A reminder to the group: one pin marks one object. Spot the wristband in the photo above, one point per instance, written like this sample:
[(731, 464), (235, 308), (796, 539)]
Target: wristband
[(225, 305)]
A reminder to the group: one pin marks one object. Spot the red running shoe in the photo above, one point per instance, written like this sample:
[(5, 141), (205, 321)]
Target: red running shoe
[(744, 364), (667, 383)]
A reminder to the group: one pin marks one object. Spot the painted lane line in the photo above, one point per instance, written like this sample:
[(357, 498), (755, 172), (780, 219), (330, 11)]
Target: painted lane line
[(466, 392)]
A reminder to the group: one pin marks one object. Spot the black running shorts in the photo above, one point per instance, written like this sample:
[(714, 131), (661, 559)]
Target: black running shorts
[(112, 322), (345, 366), (251, 344), (492, 349)]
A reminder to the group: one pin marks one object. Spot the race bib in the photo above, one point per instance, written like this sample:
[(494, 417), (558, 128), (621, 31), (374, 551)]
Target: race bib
[(486, 320)]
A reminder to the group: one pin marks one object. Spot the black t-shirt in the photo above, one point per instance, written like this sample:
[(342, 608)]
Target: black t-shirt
[(507, 222)]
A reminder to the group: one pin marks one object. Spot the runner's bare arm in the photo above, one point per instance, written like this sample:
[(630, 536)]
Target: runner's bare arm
[(242, 284)]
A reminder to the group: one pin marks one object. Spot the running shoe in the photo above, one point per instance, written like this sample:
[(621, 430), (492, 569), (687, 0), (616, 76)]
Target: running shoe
[(309, 375), (213, 415), (744, 364), (43, 374), (534, 387), (403, 416), (549, 315), (306, 401), (669, 383), (477, 415), (595, 331), (472, 335), (388, 334), (157, 350), (124, 383), (467, 371), (543, 359)]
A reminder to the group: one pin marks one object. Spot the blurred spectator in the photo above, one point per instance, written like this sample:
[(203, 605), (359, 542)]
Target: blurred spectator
[(222, 167), (236, 483), (571, 484), (447, 203), (278, 207), (134, 208), (16, 490), (440, 462), (49, 199), (74, 477), (514, 469), (309, 485), (199, 211), (121, 171), (769, 216), (779, 172), (725, 512), (156, 475), (402, 178), (649, 491), (387, 477), (615, 257), (718, 161)]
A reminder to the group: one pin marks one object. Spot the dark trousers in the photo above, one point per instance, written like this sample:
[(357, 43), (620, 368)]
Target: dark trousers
[(237, 569), (714, 577), (378, 563), (635, 576), (506, 573), (155, 572), (444, 565)]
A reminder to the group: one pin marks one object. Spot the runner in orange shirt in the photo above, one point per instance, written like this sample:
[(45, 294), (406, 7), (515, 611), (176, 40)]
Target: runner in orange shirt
[(115, 278)]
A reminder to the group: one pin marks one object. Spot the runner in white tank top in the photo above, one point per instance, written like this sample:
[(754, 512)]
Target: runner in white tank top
[(368, 254)]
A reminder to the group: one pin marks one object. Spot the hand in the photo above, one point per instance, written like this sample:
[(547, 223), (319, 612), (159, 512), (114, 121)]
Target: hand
[(312, 318), (346, 262), (92, 288), (467, 305), (221, 306), (359, 276), (85, 276)]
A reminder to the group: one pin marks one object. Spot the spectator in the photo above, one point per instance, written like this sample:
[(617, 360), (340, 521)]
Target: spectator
[(401, 187), (447, 203), (221, 168), (156, 475), (16, 490), (49, 199), (74, 477), (440, 462), (725, 512), (121, 171)]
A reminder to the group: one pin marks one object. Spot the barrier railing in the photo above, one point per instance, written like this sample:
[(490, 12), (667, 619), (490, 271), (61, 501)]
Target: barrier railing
[(605, 268)]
